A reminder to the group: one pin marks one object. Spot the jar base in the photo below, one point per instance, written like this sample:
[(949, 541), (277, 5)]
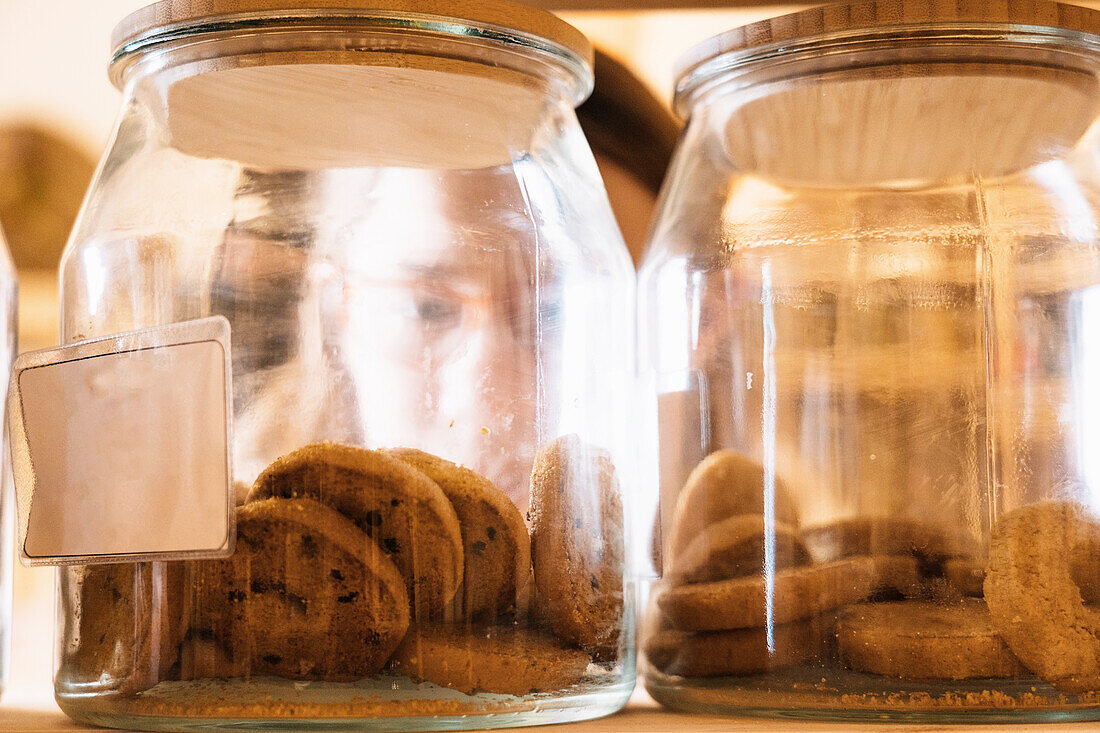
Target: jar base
[(828, 694), (264, 705)]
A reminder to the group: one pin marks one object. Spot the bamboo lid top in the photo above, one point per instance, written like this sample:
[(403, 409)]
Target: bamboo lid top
[(882, 14), (501, 14)]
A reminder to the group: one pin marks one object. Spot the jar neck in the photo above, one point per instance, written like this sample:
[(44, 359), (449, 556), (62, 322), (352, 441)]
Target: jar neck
[(373, 38), (882, 48)]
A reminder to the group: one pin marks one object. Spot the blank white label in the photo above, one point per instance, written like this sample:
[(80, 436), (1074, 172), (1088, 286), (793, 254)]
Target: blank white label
[(121, 447)]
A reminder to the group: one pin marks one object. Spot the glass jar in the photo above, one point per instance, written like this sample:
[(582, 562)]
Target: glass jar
[(431, 315), (869, 312)]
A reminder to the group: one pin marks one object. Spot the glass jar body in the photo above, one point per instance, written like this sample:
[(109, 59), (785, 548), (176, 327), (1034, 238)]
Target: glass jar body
[(867, 327), (430, 311)]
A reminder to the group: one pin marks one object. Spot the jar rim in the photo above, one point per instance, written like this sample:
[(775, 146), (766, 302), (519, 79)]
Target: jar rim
[(876, 20), (512, 25)]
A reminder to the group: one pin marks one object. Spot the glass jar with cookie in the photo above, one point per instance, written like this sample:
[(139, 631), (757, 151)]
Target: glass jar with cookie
[(430, 317), (869, 311)]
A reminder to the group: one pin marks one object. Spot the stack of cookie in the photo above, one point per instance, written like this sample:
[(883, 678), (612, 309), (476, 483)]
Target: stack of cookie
[(350, 561), (747, 589), (569, 615), (741, 593)]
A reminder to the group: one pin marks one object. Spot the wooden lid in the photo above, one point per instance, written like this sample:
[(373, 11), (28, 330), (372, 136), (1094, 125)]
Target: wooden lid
[(159, 16), (882, 14)]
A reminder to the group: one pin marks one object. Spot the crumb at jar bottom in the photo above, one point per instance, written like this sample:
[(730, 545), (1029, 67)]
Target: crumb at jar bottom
[(383, 703), (387, 586), (823, 692)]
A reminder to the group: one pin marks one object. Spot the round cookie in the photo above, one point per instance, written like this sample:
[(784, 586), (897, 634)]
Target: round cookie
[(1035, 604), (299, 598), (884, 536), (130, 621), (736, 547), (509, 660), (919, 640), (731, 653), (724, 484), (577, 542), (497, 548), (741, 603), (401, 509)]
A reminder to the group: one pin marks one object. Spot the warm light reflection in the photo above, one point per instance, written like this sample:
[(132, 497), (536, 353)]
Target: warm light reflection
[(768, 420), (1088, 390), (96, 279)]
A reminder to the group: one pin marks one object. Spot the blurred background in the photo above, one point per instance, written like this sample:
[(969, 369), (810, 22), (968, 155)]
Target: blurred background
[(57, 109)]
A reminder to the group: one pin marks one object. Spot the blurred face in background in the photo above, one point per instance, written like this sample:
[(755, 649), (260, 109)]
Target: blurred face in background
[(391, 320)]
